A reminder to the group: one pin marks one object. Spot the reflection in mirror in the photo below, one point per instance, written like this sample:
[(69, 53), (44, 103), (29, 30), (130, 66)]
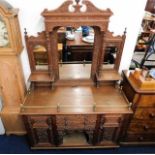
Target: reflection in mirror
[(110, 57), (40, 57), (75, 52)]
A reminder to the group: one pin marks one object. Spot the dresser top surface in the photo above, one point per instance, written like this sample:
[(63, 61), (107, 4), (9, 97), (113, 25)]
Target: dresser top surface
[(71, 100)]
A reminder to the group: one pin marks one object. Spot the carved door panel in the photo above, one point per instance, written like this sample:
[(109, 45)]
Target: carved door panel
[(108, 135), (107, 129), (40, 130)]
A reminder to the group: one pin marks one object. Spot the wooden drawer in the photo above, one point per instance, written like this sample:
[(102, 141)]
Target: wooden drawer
[(147, 101), (145, 114), (140, 137), (142, 127), (39, 121), (76, 122), (111, 120)]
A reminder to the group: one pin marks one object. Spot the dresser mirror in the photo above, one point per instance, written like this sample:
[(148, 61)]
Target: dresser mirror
[(74, 46), (75, 52), (110, 57), (40, 57)]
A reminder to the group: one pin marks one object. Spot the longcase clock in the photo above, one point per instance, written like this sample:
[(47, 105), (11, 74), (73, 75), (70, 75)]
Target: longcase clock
[(12, 87)]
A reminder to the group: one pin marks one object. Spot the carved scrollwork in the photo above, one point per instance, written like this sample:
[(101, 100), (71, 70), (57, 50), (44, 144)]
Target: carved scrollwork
[(82, 13)]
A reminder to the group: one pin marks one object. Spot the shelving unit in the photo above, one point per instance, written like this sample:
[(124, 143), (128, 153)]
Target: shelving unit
[(141, 57)]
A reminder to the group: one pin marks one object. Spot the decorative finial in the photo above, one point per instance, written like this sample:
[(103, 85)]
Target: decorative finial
[(125, 31), (77, 1), (25, 31)]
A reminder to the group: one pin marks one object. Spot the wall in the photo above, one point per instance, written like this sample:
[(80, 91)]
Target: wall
[(127, 13)]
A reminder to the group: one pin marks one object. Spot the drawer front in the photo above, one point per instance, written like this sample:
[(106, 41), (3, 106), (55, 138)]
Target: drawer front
[(147, 101), (76, 122), (140, 137), (39, 121), (111, 120), (142, 127), (145, 114)]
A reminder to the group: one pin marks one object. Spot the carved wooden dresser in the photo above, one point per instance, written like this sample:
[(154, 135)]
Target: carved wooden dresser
[(74, 105)]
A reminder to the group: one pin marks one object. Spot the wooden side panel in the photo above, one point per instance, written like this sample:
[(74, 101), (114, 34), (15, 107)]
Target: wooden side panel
[(12, 121), (128, 90), (11, 81)]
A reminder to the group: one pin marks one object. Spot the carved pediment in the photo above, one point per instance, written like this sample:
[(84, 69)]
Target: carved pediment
[(64, 8), (76, 16)]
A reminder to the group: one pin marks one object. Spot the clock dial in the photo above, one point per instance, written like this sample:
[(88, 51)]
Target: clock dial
[(4, 40)]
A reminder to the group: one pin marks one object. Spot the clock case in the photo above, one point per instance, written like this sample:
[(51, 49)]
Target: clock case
[(12, 85)]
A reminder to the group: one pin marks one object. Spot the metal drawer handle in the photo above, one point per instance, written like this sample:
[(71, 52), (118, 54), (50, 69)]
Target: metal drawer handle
[(146, 127), (141, 138), (101, 127), (151, 115)]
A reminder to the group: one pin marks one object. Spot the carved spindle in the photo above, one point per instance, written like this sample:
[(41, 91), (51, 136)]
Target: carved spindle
[(130, 105), (58, 107), (94, 107)]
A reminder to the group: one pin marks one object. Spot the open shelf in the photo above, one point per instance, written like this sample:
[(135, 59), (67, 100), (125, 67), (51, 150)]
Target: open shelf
[(75, 138), (41, 77), (75, 71), (108, 75)]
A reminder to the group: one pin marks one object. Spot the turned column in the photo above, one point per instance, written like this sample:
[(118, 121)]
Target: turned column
[(120, 52), (54, 52), (102, 51), (97, 52), (50, 64)]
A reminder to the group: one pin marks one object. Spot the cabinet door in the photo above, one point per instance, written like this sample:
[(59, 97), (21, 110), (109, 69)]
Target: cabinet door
[(108, 135), (40, 130), (107, 130)]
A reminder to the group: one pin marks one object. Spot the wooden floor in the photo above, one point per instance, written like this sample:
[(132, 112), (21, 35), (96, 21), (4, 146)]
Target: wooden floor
[(72, 100)]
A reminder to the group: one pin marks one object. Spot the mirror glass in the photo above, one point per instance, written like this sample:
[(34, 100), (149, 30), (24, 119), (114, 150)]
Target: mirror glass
[(75, 50), (40, 57), (110, 56)]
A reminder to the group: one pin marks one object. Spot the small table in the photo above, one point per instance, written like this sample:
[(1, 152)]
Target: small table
[(78, 50)]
